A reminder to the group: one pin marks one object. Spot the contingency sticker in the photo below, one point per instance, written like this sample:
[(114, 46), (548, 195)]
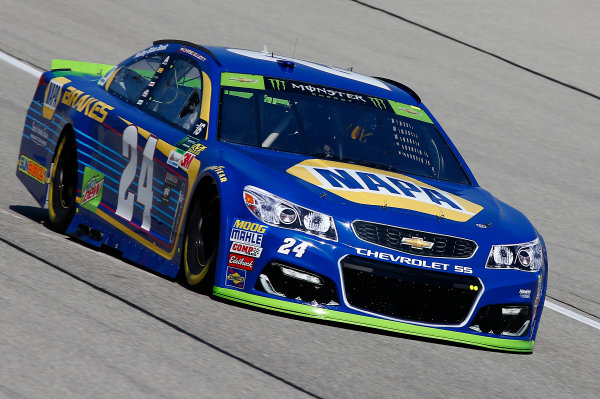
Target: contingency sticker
[(235, 278), (32, 169)]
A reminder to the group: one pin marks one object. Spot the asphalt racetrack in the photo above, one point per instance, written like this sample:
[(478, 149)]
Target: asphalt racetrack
[(515, 85)]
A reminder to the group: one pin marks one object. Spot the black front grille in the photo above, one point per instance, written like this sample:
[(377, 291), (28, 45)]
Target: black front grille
[(407, 293), (391, 237)]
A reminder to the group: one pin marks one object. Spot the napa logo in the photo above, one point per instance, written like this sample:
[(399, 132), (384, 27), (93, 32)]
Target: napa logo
[(374, 187)]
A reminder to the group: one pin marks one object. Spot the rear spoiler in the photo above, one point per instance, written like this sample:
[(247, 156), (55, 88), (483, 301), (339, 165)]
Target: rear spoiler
[(87, 68)]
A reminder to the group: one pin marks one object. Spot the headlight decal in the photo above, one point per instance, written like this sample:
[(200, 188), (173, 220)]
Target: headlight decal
[(527, 257), (276, 211)]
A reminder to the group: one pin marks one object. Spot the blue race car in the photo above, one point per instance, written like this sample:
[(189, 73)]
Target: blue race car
[(283, 184)]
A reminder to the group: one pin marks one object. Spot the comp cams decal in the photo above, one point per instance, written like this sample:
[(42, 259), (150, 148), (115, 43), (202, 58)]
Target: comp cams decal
[(370, 186)]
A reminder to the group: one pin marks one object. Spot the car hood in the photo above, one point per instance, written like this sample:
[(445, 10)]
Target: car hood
[(350, 192)]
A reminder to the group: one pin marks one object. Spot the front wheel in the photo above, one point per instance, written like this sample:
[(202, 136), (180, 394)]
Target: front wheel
[(63, 185), (201, 242)]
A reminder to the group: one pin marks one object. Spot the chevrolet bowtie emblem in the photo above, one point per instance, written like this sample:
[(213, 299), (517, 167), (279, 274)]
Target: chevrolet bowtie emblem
[(416, 243)]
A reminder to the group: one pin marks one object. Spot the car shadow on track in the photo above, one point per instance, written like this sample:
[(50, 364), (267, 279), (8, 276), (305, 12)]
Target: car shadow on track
[(36, 214), (40, 215)]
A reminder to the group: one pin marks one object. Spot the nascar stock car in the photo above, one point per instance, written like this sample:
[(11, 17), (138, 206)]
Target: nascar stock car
[(283, 184)]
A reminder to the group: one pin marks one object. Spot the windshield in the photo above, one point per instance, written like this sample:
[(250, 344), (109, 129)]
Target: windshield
[(328, 123)]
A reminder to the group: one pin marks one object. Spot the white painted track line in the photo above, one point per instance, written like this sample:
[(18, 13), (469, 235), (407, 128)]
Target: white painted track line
[(550, 305), (573, 315), (19, 64)]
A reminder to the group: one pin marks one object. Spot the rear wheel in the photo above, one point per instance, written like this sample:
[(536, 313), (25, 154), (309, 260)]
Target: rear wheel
[(201, 242), (63, 184)]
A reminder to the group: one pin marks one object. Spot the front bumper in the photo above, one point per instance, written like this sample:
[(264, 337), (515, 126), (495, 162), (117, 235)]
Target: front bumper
[(453, 300), (321, 313)]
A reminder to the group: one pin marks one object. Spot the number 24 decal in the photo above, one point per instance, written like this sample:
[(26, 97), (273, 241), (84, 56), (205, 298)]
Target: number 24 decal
[(298, 249), (144, 192)]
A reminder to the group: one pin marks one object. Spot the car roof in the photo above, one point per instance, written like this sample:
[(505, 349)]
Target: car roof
[(263, 63)]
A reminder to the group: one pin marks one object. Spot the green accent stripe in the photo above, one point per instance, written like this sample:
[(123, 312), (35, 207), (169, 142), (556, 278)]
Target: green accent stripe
[(366, 321), (409, 111), (242, 80), (88, 68)]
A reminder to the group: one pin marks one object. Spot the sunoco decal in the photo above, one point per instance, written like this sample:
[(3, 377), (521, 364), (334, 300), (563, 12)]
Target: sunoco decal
[(91, 189), (235, 278), (375, 187)]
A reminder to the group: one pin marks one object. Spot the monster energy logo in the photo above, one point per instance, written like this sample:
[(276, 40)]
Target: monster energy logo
[(377, 102), (277, 84)]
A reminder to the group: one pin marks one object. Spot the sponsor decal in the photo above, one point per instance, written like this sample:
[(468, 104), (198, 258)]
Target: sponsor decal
[(220, 172), (145, 93), (186, 160), (41, 136), (249, 226), (166, 60), (243, 80), (151, 84), (150, 50), (523, 293), (32, 169), (241, 261), (169, 184), (194, 54), (187, 142), (88, 105), (52, 96), (200, 128), (248, 237), (91, 189), (246, 249), (235, 278), (371, 186), (160, 70), (379, 103), (174, 158), (196, 149), (405, 260), (315, 90)]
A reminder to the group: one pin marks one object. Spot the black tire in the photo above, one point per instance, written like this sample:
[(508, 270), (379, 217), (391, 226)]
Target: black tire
[(201, 243), (63, 184)]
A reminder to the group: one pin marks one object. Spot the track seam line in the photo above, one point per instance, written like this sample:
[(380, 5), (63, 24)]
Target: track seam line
[(159, 319), (25, 67), (506, 60)]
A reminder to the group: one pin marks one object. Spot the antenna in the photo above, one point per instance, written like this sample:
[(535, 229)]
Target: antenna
[(265, 51), (294, 52)]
